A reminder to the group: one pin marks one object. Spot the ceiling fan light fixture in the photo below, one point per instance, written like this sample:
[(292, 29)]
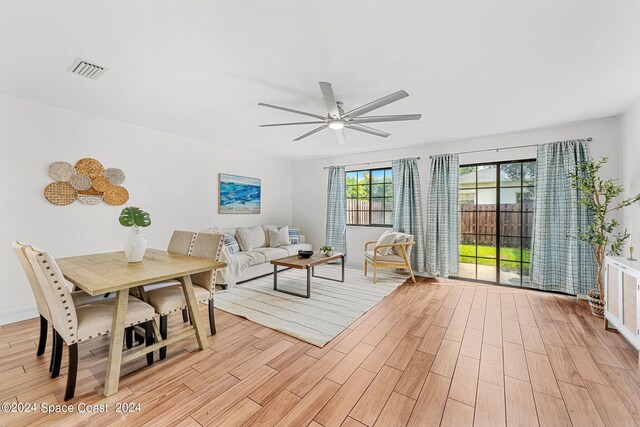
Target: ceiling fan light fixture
[(336, 125)]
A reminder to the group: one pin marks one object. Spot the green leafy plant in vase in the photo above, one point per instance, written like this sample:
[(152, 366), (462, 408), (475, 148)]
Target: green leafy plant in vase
[(600, 197), (136, 244), (326, 250)]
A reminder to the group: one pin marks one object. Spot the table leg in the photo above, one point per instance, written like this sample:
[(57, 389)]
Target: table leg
[(115, 348), (342, 268), (275, 277), (194, 313), (308, 283)]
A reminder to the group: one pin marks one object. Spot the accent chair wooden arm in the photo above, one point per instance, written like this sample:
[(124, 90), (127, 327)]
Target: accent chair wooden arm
[(388, 264), (390, 245)]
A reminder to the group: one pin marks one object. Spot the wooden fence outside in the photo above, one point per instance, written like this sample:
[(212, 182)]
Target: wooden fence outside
[(486, 222), (358, 211)]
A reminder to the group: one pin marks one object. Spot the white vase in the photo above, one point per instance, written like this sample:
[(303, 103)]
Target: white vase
[(135, 245)]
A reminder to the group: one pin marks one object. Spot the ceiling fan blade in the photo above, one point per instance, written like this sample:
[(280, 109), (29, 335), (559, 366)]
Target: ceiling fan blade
[(377, 104), (367, 129), (316, 130), (329, 99), (289, 124), (292, 111), (340, 135), (378, 119)]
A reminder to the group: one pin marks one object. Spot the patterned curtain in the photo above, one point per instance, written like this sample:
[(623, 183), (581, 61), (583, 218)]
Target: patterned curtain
[(337, 209), (407, 207), (559, 261), (442, 216)]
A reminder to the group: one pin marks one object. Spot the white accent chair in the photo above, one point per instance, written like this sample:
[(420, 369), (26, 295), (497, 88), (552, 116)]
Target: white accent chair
[(398, 258)]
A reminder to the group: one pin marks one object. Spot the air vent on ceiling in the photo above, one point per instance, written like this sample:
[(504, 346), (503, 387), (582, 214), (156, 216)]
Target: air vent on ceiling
[(86, 69)]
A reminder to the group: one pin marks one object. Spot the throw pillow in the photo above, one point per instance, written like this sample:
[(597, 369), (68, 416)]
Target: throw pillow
[(387, 238), (279, 238), (401, 238), (231, 243), (266, 229), (294, 236), (250, 237)]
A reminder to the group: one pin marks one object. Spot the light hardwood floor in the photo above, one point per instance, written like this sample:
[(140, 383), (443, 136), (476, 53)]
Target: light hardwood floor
[(433, 353)]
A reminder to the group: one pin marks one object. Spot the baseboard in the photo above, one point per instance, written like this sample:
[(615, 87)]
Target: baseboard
[(18, 314)]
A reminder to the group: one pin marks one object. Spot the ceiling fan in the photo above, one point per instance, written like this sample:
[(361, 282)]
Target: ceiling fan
[(338, 120)]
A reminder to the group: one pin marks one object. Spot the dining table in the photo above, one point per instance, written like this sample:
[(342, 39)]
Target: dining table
[(103, 273)]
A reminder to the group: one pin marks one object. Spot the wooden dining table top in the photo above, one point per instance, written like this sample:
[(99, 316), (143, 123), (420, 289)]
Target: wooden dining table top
[(98, 274)]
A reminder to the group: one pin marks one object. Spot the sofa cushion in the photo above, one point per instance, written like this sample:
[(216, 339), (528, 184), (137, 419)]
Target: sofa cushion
[(271, 253), (391, 259), (250, 237), (293, 249), (279, 237), (266, 229)]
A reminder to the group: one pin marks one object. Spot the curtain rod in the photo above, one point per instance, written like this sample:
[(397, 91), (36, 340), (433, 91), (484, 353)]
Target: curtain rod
[(505, 148), (367, 163)]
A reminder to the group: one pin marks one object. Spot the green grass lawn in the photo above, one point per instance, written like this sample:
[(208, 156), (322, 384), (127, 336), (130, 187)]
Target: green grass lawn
[(506, 255)]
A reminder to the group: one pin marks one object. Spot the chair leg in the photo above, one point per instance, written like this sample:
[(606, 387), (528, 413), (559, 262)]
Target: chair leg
[(413, 278), (365, 267), (42, 342), (375, 271), (72, 372), (139, 337), (128, 336), (53, 348), (212, 319), (149, 338), (57, 356), (185, 315), (406, 260), (163, 334)]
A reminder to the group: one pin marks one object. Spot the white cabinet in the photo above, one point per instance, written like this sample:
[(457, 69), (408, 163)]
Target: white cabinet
[(622, 290)]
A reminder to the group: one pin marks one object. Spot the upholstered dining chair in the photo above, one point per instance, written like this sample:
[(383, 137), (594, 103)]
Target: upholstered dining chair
[(74, 324), (390, 255), (79, 298), (170, 299)]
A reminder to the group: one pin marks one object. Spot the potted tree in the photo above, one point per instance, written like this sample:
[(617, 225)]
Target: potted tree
[(135, 245), (600, 196)]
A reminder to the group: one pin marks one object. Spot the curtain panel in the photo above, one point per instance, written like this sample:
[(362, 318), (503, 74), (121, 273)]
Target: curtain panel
[(337, 209), (559, 261), (407, 207), (442, 216)]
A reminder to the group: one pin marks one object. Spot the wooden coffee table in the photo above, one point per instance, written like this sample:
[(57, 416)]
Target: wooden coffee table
[(296, 261)]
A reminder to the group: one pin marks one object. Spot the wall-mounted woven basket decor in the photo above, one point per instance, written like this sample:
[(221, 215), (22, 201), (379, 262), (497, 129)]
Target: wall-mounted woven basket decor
[(87, 182), (60, 193)]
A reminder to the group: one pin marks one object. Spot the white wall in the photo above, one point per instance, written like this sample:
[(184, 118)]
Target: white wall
[(174, 178), (310, 179), (630, 153)]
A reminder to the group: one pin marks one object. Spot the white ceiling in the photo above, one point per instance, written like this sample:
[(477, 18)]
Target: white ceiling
[(198, 68)]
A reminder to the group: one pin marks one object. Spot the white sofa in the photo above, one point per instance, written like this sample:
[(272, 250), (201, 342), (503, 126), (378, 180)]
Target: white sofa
[(256, 261)]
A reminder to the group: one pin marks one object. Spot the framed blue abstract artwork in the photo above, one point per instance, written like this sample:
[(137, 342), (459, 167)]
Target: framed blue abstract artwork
[(238, 194)]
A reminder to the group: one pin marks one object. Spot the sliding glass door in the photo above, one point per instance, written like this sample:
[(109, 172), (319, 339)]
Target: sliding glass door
[(496, 214)]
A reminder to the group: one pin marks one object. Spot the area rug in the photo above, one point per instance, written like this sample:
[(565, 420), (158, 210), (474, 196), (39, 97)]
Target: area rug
[(333, 306)]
